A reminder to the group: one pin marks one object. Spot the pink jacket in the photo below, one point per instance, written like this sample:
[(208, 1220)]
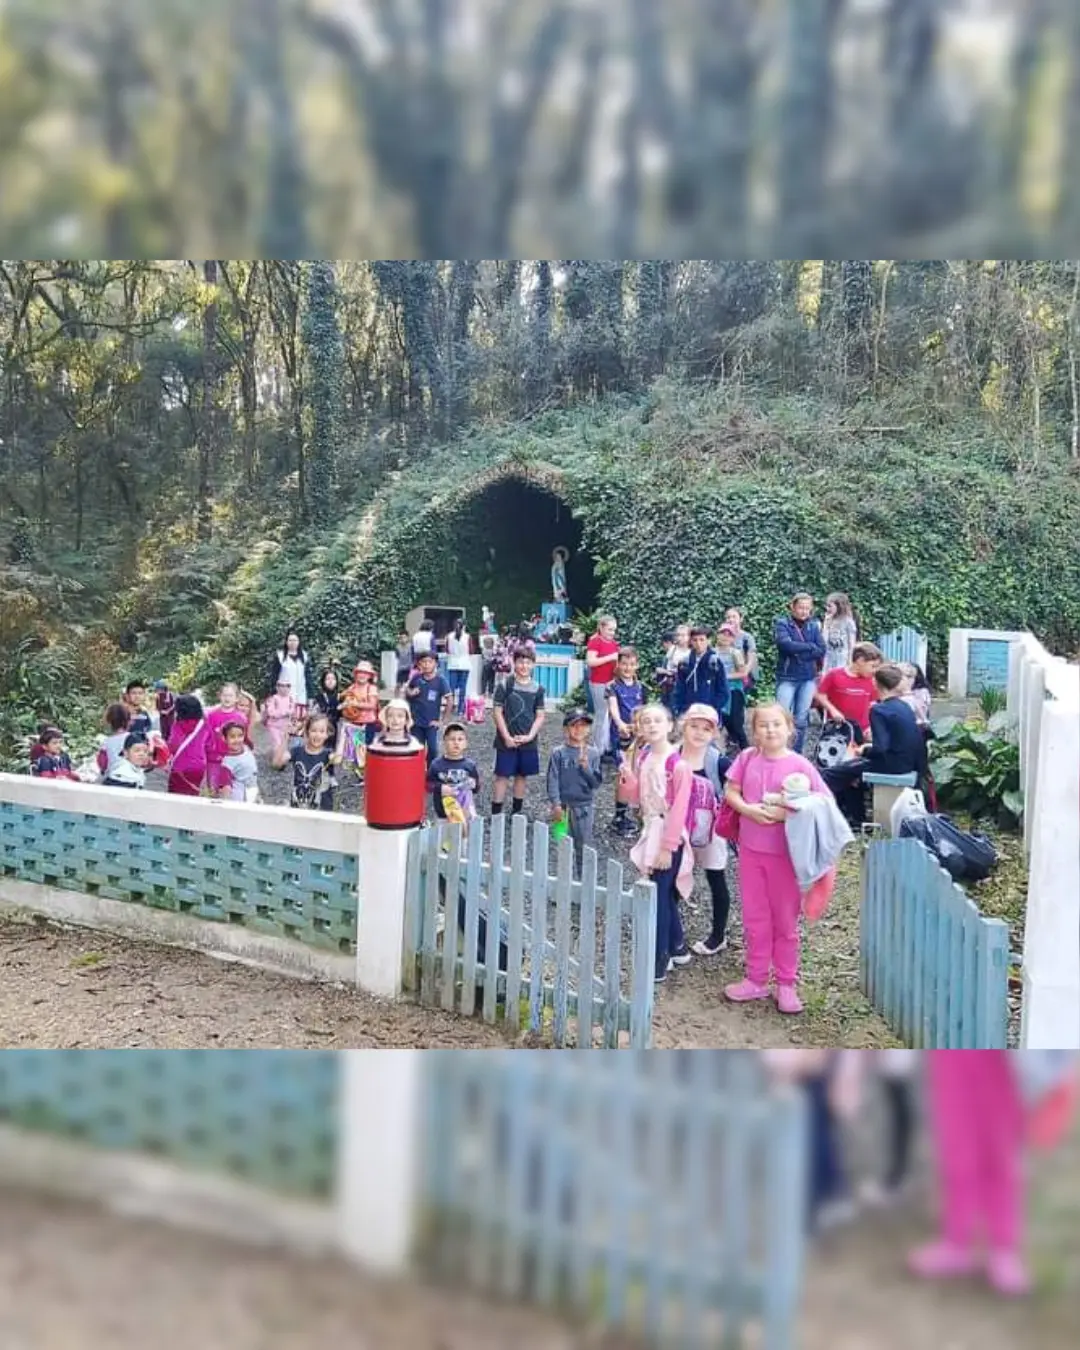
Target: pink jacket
[(193, 760), (680, 780)]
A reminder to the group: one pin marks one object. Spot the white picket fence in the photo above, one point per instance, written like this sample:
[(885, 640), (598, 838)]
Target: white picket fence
[(1044, 697)]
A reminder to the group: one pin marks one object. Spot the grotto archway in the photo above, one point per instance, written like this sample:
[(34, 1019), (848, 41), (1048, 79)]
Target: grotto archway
[(500, 555)]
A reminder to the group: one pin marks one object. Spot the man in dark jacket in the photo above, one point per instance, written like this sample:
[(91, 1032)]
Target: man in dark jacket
[(701, 678), (801, 646)]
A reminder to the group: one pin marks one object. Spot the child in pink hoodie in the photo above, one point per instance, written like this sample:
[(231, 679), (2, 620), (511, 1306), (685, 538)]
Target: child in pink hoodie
[(771, 898), (661, 782)]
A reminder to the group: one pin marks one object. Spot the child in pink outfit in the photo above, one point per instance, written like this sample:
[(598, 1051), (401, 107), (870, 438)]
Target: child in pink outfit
[(771, 899), (979, 1117), (279, 714), (660, 782), (226, 710)]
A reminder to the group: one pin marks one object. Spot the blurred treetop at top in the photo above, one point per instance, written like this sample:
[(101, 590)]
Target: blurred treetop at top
[(505, 128)]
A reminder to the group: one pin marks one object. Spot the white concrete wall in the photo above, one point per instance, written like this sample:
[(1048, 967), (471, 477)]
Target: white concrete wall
[(382, 859), (379, 1169), (959, 643), (1044, 697)]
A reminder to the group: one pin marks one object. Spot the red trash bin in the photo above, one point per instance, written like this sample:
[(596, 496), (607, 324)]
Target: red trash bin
[(395, 788)]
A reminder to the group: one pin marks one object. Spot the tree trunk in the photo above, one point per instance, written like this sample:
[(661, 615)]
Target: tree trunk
[(207, 436)]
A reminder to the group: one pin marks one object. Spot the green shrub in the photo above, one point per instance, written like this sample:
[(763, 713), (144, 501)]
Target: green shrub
[(991, 702), (977, 768)]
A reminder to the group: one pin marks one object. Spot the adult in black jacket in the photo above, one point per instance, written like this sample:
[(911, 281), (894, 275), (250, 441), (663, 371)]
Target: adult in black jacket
[(896, 746)]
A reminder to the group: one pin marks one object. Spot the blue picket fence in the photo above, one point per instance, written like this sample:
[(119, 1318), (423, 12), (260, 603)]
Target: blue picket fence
[(932, 965), (904, 644), (572, 958), (269, 1118), (661, 1196)]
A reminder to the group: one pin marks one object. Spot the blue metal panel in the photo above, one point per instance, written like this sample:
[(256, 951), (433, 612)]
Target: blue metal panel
[(988, 665), (270, 1117)]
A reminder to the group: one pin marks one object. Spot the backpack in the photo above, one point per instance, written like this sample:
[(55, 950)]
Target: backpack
[(701, 810)]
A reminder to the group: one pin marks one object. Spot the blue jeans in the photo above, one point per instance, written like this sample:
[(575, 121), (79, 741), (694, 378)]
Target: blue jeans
[(826, 1180), (796, 696), (459, 682)]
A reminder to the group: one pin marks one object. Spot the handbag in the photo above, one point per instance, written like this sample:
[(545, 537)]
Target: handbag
[(727, 818)]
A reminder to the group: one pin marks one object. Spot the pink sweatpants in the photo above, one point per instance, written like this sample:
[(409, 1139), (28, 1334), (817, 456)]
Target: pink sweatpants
[(771, 901), (977, 1115)]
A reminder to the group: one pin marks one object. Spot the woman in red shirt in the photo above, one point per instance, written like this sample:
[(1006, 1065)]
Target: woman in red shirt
[(601, 659)]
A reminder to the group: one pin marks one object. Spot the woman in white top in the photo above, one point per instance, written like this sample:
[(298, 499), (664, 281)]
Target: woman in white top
[(458, 664), (292, 663), (840, 631)]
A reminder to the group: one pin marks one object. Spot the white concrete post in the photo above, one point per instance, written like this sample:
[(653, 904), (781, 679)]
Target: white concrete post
[(380, 1160), (380, 912), (958, 662), (1050, 1017)]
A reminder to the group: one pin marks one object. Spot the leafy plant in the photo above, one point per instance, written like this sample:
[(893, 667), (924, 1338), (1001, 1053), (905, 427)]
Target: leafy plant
[(992, 702), (977, 768)]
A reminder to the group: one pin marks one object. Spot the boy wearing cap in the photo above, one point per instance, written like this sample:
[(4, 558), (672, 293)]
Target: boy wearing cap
[(574, 773), (519, 715)]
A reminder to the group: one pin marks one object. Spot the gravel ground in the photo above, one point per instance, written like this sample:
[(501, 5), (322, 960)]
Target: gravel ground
[(66, 1284)]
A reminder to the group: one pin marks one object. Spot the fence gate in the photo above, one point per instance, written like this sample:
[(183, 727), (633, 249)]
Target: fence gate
[(571, 956), (661, 1196)]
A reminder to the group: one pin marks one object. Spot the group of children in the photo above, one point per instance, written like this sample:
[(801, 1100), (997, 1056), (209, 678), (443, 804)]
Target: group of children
[(987, 1110)]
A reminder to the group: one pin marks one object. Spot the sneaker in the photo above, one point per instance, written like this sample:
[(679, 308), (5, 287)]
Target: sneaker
[(662, 976), (705, 949), (745, 991), (1007, 1274), (787, 1000), (682, 958), (835, 1213), (941, 1260), (874, 1195)]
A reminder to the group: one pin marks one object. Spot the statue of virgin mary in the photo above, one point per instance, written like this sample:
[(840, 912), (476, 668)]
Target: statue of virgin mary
[(560, 556)]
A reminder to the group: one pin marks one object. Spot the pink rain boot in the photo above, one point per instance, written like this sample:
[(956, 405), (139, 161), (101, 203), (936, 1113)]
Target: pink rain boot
[(787, 999), (941, 1260), (1007, 1274), (745, 991)]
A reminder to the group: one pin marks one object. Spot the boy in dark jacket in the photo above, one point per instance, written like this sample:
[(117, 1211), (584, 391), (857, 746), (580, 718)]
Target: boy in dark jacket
[(701, 678), (801, 647), (574, 773)]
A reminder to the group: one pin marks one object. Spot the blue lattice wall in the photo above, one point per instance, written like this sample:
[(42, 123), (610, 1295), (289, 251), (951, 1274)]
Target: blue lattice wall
[(307, 894), (269, 1116)]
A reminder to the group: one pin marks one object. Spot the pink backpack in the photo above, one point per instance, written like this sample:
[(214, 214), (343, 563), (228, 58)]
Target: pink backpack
[(701, 812)]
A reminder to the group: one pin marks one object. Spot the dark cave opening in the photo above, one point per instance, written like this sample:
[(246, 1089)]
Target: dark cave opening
[(501, 556)]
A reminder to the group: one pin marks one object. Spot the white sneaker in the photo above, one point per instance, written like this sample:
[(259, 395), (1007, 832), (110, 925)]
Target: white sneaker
[(700, 949), (836, 1213), (876, 1196)]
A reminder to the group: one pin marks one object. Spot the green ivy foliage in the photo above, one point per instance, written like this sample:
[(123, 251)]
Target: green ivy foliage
[(691, 501)]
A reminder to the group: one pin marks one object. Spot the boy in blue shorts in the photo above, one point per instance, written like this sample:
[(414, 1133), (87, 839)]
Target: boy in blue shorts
[(519, 715)]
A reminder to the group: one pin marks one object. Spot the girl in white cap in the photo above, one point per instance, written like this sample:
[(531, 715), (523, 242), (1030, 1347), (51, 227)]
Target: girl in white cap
[(699, 750)]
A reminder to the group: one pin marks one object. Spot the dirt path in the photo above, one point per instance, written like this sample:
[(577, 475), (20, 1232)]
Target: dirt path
[(68, 988), (66, 1281)]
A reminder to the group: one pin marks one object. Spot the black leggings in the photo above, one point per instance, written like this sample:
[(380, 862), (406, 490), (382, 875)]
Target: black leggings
[(721, 904), (901, 1112)]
